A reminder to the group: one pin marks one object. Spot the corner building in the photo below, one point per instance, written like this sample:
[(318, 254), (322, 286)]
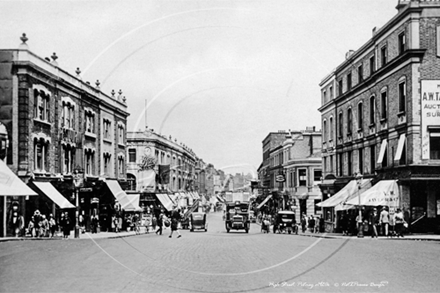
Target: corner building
[(381, 113)]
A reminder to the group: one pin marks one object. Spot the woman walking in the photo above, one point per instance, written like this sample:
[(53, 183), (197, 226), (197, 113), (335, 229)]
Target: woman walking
[(175, 218), (65, 225)]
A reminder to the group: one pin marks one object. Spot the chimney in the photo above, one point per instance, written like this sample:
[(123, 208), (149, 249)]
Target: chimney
[(349, 54)]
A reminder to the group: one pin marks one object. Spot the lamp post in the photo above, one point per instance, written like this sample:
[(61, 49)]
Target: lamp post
[(359, 184), (77, 181)]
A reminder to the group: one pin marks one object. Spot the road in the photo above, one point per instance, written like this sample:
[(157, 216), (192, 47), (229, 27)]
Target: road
[(216, 261)]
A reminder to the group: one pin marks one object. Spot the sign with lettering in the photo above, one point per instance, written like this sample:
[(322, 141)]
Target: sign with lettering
[(430, 109)]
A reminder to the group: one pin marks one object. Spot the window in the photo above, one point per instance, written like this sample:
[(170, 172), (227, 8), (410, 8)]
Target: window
[(302, 177), (325, 130), (317, 174), (325, 164), (341, 124), (385, 158), (107, 167), (384, 55), (330, 129), (402, 160), (383, 105), (90, 162), (434, 145), (41, 106), (402, 41), (402, 96), (120, 134), (68, 115), (361, 160), (341, 164), (360, 73), (90, 121), (40, 153), (349, 81), (340, 87), (69, 159), (360, 115), (372, 159), (349, 121), (132, 155), (324, 96), (372, 65), (106, 126), (121, 165), (331, 92), (331, 163), (372, 110), (131, 180), (350, 163)]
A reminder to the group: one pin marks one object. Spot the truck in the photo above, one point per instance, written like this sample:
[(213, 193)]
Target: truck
[(237, 211)]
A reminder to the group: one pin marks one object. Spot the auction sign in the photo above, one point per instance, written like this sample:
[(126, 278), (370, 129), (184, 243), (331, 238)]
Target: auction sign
[(430, 103)]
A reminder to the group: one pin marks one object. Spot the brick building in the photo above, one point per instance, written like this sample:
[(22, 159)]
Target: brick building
[(380, 113), (60, 128)]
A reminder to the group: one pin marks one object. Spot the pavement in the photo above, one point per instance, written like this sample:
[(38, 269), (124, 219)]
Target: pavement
[(110, 235)]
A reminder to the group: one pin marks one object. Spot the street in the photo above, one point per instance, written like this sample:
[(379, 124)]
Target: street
[(216, 261)]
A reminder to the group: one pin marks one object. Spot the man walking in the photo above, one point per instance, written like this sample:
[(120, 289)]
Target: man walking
[(175, 218), (160, 223), (384, 221), (374, 221)]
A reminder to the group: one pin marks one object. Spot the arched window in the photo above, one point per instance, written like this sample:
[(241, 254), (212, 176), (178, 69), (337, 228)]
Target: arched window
[(372, 110), (360, 115), (349, 121)]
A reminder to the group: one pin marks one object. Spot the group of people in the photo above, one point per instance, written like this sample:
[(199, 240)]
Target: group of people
[(42, 226), (389, 224), (311, 223), (173, 221)]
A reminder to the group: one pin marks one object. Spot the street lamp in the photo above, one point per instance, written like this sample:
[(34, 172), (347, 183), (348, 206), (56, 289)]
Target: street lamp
[(359, 184), (77, 181)]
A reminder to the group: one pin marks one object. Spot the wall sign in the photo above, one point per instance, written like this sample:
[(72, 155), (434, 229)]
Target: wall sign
[(430, 109)]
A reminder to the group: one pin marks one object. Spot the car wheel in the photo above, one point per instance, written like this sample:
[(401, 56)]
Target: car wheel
[(227, 230), (192, 230), (206, 230)]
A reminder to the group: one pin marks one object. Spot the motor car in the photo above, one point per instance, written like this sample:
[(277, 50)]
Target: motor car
[(198, 222)]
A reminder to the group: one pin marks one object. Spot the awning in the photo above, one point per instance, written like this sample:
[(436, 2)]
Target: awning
[(264, 201), (119, 194), (50, 191), (383, 148), (11, 184), (384, 193), (132, 205), (345, 193), (165, 201), (400, 147)]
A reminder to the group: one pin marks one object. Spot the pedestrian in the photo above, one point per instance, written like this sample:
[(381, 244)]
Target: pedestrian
[(343, 221), (399, 222), (160, 223), (384, 221), (16, 223), (373, 221), (31, 227), (52, 226), (303, 223), (44, 228), (153, 223), (94, 224), (317, 223), (65, 225), (37, 223), (175, 218), (311, 224)]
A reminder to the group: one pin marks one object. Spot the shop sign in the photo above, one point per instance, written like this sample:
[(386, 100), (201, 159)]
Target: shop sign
[(94, 200), (86, 189), (430, 103), (280, 178)]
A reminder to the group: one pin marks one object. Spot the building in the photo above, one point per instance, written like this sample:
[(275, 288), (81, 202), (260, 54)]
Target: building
[(302, 172), (380, 113), (173, 168), (66, 137)]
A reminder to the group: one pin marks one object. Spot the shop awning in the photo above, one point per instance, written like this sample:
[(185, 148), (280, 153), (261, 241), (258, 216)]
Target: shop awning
[(383, 148), (51, 192), (345, 193), (11, 184), (132, 205), (119, 194), (400, 147), (165, 201), (384, 193), (264, 201)]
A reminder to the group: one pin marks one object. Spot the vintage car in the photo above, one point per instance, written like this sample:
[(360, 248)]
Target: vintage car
[(237, 216), (285, 222), (198, 222)]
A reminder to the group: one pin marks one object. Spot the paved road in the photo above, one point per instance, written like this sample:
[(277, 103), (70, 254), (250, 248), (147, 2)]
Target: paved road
[(216, 261)]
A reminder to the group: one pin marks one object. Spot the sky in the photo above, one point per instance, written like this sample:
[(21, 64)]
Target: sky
[(217, 76)]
